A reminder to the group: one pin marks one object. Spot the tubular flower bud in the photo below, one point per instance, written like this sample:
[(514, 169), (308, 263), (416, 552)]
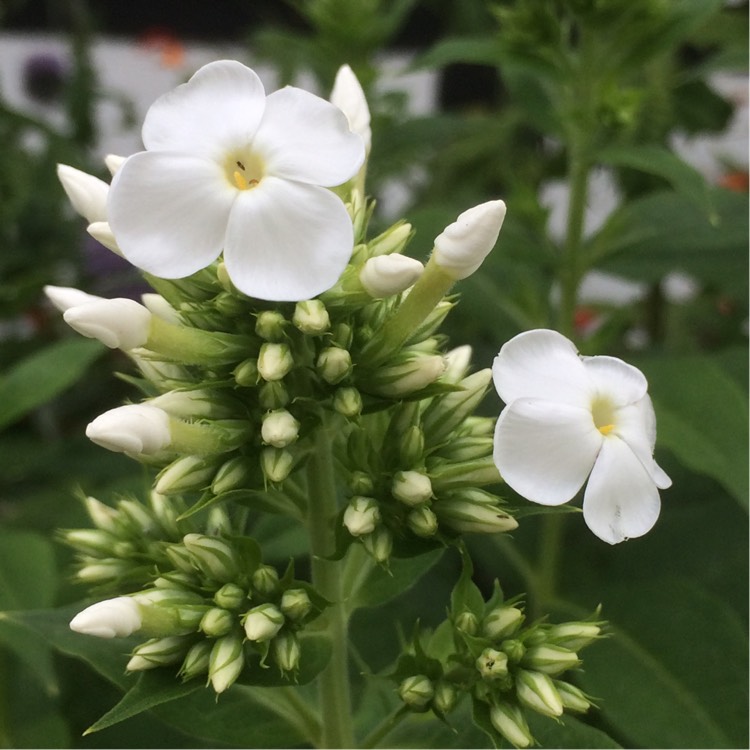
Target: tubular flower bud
[(157, 305), (217, 622), (466, 622), (226, 662), (515, 650), (463, 245), (334, 364), (274, 361), (279, 428), (103, 234), (295, 604), (118, 323), (347, 401), (348, 96), (416, 691), (392, 240), (361, 516), (246, 373), (385, 275), (411, 446), (550, 659), (193, 403), (196, 660), (536, 691), (87, 194), (276, 464), (101, 571), (411, 487), (453, 475), (445, 697), (230, 475), (492, 664), (502, 622), (265, 580), (466, 517), (412, 374), (311, 317), (574, 635), (263, 622), (119, 617), (269, 325), (508, 720), (66, 297), (230, 596), (157, 652), (573, 698), (90, 541), (378, 544), (135, 429), (185, 474), (213, 556), (422, 521), (114, 162), (273, 395), (457, 363), (286, 651), (101, 515)]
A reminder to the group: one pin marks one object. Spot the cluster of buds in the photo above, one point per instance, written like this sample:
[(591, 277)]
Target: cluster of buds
[(214, 611), (507, 666)]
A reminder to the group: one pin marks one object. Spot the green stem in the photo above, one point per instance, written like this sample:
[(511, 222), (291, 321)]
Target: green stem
[(385, 727), (548, 567), (335, 702)]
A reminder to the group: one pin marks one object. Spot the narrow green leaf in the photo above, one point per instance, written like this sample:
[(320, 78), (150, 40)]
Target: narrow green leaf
[(47, 373), (461, 49)]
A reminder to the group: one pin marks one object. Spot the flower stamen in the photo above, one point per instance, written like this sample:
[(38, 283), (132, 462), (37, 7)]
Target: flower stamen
[(606, 429)]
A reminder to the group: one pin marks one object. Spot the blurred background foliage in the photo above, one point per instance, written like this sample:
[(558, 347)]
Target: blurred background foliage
[(584, 94)]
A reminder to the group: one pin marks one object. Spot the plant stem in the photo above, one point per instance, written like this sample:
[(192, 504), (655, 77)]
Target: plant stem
[(550, 552), (335, 702)]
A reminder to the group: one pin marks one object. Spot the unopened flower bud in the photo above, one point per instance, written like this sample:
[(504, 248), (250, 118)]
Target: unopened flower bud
[(536, 691), (230, 596), (198, 402), (347, 401), (64, 297), (158, 305), (348, 96), (114, 162), (411, 446), (279, 428), (445, 697), (378, 544), (217, 622), (572, 698), (87, 194), (414, 373), (466, 622), (118, 323), (273, 394), (246, 373), (135, 429), (230, 475), (550, 659), (334, 364), (157, 652), (186, 474), (180, 558), (286, 651), (90, 541), (450, 475), (196, 660), (508, 720), (274, 361), (574, 635), (295, 604), (265, 580), (385, 275), (492, 664), (214, 557), (416, 691), (270, 324), (101, 515), (411, 488), (361, 516), (515, 649), (263, 622), (111, 618), (467, 448), (311, 317), (276, 464), (502, 622), (102, 232), (467, 517), (226, 662), (457, 363), (393, 240), (103, 571), (463, 245), (422, 522)]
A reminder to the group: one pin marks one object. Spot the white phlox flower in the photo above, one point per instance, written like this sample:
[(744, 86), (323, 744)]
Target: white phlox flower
[(227, 168), (569, 417)]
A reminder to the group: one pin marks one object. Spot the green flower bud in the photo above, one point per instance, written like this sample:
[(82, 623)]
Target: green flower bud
[(274, 361), (196, 660), (574, 635), (246, 373), (451, 475), (101, 515), (573, 699), (422, 522), (536, 691), (228, 305), (478, 426), (550, 659), (343, 335), (226, 662), (217, 622), (158, 652), (445, 698), (334, 364), (509, 721), (416, 691), (467, 622), (411, 446), (393, 240), (492, 664), (348, 402), (295, 604), (465, 517), (311, 317), (378, 544), (467, 448), (361, 516), (190, 404), (412, 488), (502, 622), (180, 557), (141, 520), (276, 464), (90, 541), (269, 325), (457, 363), (203, 438), (279, 428), (263, 622), (515, 650), (360, 483), (273, 395), (265, 580), (103, 571), (230, 475), (186, 474), (413, 373), (230, 596), (218, 522), (166, 510), (286, 651), (214, 557)]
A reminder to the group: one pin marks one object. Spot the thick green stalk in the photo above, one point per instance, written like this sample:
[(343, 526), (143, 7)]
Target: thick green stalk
[(335, 702)]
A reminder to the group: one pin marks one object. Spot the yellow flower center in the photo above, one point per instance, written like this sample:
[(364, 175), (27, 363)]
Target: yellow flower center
[(244, 171), (603, 414)]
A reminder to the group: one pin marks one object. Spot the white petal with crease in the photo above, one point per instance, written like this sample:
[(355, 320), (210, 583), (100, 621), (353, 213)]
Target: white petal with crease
[(611, 377)]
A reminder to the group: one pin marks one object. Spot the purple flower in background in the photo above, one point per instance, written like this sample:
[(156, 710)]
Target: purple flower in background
[(44, 77)]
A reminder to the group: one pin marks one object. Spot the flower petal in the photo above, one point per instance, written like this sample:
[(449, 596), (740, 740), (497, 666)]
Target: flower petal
[(541, 364), (169, 212), (220, 107), (545, 450), (615, 380), (303, 137), (287, 241), (621, 500)]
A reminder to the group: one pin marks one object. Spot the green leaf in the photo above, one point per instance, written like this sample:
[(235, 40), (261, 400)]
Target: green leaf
[(569, 732), (466, 594), (462, 49), (47, 373), (702, 417)]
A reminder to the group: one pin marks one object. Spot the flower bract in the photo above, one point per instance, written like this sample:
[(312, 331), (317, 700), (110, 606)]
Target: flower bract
[(229, 169), (569, 417)]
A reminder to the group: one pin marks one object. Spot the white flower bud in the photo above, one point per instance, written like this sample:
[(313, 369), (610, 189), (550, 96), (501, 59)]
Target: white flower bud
[(411, 487), (231, 475), (276, 463), (422, 521), (102, 232), (286, 651), (348, 96), (347, 401), (361, 516), (101, 515), (295, 604), (114, 162), (217, 622), (65, 297), (193, 403), (445, 697), (157, 652), (536, 691), (451, 475), (334, 364), (385, 275), (574, 635), (270, 324), (463, 245), (492, 664), (413, 374), (502, 622), (185, 475), (118, 617), (550, 659), (466, 517), (279, 428), (196, 660), (457, 363), (508, 719), (87, 194), (416, 691), (274, 361), (573, 698), (118, 323), (263, 622), (265, 579), (215, 557), (378, 544), (157, 305), (102, 571), (136, 429), (311, 317), (392, 240), (226, 662)]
